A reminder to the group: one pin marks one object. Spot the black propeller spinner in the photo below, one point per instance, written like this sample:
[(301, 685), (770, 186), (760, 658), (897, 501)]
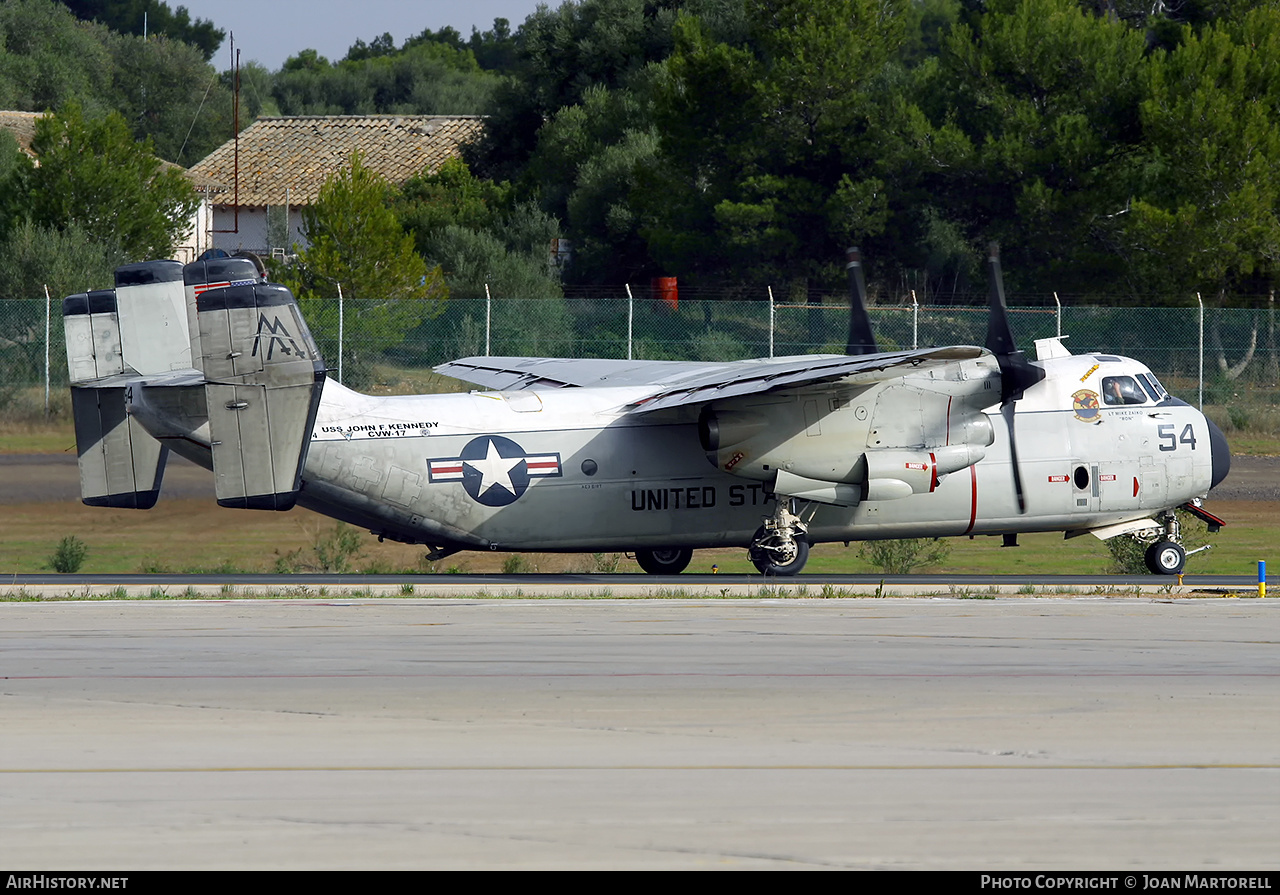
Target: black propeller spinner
[(1017, 374), (861, 339)]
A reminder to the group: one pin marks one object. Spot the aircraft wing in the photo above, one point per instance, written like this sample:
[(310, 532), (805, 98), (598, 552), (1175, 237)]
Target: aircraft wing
[(678, 383), (516, 373)]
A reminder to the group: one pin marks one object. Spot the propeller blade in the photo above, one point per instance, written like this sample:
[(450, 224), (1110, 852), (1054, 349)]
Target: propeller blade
[(1007, 411), (861, 339), (1017, 374), (999, 334)]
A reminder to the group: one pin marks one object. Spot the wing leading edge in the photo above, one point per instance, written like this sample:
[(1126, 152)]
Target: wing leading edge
[(680, 383)]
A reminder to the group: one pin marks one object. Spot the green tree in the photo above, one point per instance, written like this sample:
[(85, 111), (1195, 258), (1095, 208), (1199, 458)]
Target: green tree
[(15, 168), (424, 78), (1208, 217), (589, 165), (771, 144), (357, 242), (164, 88), (479, 234), (560, 54), (93, 174), (48, 58), (1036, 102), (33, 257), (133, 16), (167, 92), (453, 195)]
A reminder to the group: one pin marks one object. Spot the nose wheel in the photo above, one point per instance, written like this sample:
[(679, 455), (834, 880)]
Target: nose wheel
[(1166, 558)]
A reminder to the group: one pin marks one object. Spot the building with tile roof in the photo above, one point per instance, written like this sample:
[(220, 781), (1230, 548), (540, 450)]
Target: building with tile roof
[(283, 162)]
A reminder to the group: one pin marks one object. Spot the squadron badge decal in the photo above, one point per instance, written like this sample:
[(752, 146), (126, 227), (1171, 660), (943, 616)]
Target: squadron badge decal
[(1086, 406), (494, 470)]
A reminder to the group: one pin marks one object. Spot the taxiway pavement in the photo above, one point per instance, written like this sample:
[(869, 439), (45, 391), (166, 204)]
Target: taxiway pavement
[(995, 734)]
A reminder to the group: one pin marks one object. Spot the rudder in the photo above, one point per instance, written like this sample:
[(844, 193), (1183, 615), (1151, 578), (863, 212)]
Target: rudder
[(264, 377), (121, 465)]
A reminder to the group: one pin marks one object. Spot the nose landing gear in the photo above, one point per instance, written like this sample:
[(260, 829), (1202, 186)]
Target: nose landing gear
[(1166, 556)]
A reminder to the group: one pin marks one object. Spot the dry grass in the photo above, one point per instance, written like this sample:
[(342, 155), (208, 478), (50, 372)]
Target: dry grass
[(198, 535)]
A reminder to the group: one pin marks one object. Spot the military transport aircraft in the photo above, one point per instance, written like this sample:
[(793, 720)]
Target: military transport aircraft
[(657, 458)]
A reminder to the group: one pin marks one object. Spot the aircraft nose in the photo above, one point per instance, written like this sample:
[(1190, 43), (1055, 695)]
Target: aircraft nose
[(1220, 453)]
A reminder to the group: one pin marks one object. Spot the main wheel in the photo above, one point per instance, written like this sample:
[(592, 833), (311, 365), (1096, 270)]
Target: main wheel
[(766, 564), (664, 561), (1166, 558)]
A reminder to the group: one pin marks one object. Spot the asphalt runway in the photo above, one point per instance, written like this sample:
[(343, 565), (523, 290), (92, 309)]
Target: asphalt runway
[(988, 735)]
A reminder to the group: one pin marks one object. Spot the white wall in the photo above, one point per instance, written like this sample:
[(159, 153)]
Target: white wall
[(251, 232)]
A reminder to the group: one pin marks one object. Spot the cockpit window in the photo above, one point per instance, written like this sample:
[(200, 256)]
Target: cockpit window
[(1122, 390), (1149, 383)]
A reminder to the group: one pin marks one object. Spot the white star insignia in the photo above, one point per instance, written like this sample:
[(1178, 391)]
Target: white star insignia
[(494, 469)]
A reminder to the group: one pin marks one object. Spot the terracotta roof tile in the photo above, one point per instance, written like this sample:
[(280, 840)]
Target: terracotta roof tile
[(298, 153), (23, 127)]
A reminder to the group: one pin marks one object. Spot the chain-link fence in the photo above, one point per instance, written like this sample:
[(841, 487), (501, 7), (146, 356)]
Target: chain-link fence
[(1224, 359)]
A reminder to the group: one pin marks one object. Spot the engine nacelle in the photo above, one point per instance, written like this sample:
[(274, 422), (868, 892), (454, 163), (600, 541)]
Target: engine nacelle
[(894, 474), (889, 439)]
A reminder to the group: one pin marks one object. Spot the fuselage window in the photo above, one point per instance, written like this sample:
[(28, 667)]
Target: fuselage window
[(1122, 390)]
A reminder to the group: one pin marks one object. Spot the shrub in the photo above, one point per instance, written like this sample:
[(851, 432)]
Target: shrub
[(517, 564), (898, 556), (336, 550), (69, 555)]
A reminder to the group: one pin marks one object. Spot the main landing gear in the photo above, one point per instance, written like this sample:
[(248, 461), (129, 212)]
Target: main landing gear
[(664, 561), (780, 546)]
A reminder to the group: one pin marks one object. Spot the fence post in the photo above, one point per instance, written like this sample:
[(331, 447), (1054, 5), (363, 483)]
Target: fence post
[(1058, 313), (1201, 303), (340, 332), (770, 321), (915, 322), (46, 350), (488, 316), (631, 312)]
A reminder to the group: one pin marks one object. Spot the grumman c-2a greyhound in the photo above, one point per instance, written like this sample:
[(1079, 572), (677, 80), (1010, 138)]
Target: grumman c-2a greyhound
[(657, 458)]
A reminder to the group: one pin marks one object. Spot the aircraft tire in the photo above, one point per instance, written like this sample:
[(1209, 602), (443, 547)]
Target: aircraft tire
[(1166, 558), (769, 568), (664, 561)]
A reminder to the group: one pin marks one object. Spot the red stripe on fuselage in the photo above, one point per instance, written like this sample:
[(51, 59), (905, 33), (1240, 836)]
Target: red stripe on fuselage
[(973, 503)]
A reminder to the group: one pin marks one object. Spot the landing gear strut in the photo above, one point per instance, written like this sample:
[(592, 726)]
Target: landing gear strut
[(1166, 556), (781, 545)]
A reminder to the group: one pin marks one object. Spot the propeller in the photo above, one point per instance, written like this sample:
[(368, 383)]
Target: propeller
[(861, 339), (1017, 374)]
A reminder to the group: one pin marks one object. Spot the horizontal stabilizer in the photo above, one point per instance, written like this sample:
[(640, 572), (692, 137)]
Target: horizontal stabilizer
[(121, 465), (264, 377)]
